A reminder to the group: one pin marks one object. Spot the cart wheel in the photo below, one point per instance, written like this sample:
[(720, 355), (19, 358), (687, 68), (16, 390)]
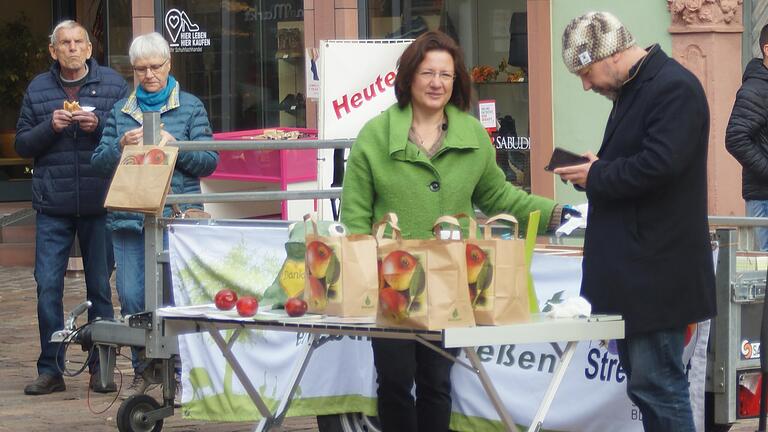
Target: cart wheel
[(130, 416), (348, 422)]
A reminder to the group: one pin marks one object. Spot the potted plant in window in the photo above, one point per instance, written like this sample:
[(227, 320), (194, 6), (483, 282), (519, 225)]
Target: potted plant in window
[(24, 56)]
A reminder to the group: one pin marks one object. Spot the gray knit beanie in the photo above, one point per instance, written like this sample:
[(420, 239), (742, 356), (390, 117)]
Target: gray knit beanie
[(592, 37)]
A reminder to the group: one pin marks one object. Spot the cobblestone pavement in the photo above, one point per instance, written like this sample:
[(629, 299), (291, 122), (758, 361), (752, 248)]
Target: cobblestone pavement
[(75, 409)]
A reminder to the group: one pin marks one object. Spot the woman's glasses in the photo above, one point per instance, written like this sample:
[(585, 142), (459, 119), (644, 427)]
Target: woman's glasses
[(142, 70), (429, 75)]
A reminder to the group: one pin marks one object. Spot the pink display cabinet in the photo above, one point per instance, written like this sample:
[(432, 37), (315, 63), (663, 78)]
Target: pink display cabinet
[(282, 167)]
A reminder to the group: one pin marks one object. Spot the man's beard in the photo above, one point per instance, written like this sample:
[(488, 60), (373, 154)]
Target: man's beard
[(610, 91)]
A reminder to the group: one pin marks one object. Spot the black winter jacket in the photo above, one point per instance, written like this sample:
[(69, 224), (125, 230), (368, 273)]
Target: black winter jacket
[(647, 254), (63, 181), (746, 137)]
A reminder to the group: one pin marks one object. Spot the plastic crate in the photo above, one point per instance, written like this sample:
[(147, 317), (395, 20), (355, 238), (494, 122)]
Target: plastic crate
[(272, 166)]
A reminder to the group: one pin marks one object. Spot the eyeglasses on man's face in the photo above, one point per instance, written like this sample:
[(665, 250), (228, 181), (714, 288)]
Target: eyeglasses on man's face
[(429, 75), (142, 70)]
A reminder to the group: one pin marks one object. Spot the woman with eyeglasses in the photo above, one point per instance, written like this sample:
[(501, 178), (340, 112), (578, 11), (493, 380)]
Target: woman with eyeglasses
[(422, 158), (183, 118)]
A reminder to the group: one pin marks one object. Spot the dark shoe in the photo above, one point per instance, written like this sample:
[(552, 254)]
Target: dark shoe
[(138, 386), (99, 387), (45, 384)]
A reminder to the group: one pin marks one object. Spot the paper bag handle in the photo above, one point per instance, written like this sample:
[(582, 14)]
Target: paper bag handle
[(450, 220), (312, 217), (472, 224), (504, 217), (391, 220)]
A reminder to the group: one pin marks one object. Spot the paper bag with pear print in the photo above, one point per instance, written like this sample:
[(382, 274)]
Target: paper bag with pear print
[(422, 283), (340, 273)]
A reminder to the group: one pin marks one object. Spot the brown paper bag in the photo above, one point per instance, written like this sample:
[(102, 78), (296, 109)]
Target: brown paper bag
[(422, 283), (497, 275), (340, 273), (142, 179)]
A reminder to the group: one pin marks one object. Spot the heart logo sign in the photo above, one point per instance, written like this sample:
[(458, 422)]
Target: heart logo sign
[(173, 24)]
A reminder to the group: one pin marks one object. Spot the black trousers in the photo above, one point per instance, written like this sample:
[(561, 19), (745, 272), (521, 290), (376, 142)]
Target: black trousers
[(398, 364)]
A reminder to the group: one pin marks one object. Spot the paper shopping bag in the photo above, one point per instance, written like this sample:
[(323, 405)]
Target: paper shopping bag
[(340, 273), (497, 275), (422, 283), (142, 179)]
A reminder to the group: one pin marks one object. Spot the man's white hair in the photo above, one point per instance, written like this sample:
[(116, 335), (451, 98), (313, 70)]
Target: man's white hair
[(149, 45), (67, 24)]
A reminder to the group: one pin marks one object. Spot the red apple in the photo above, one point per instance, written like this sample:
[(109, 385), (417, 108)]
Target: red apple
[(392, 303), (154, 157), (475, 259), (247, 306), (295, 307), (318, 257), (398, 268), (225, 299)]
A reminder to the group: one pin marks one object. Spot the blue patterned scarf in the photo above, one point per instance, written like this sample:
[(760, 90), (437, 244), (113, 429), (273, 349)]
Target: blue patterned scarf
[(154, 101)]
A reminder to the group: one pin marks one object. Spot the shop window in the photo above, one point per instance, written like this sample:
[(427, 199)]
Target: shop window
[(249, 68), (493, 36)]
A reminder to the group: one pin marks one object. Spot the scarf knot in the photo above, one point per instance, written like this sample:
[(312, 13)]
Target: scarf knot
[(154, 101)]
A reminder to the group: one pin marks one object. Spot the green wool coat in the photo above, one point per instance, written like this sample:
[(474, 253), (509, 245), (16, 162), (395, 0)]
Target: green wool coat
[(387, 173)]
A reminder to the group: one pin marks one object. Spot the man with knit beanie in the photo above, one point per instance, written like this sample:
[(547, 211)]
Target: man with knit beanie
[(647, 253)]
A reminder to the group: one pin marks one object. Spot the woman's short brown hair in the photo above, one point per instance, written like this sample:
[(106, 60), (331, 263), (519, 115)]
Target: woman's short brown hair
[(413, 56)]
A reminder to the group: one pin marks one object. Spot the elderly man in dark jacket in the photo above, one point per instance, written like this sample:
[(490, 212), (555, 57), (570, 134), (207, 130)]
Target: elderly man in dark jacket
[(647, 252), (67, 193), (747, 137)]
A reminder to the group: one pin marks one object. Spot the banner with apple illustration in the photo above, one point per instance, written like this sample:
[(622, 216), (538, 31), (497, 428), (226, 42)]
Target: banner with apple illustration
[(340, 376)]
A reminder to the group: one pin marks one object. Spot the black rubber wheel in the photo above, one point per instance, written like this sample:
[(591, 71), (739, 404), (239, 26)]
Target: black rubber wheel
[(348, 422), (131, 413)]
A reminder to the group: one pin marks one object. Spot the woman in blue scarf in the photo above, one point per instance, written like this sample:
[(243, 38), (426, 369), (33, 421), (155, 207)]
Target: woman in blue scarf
[(184, 118)]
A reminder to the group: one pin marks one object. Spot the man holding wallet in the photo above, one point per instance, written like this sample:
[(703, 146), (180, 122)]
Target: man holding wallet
[(647, 252)]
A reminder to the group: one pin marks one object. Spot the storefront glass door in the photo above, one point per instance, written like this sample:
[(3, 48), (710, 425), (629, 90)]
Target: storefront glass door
[(243, 59)]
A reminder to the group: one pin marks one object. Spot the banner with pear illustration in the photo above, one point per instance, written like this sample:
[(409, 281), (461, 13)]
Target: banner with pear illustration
[(340, 376)]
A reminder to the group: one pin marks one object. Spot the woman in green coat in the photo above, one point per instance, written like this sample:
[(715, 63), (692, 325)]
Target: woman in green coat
[(423, 158)]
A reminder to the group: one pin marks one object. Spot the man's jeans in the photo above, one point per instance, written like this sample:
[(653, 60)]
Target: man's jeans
[(759, 208), (657, 382), (53, 242), (129, 281)]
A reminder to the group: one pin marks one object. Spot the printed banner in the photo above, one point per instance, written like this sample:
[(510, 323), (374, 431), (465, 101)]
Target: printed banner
[(340, 376), (356, 84)]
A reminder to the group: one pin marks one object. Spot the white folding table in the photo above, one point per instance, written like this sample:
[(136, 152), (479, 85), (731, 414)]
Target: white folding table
[(540, 329)]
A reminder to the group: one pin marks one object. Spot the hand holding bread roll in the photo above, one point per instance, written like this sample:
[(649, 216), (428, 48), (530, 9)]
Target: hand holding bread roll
[(72, 106)]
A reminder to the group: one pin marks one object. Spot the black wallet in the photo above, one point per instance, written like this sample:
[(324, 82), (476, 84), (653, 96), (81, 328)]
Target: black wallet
[(563, 158)]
